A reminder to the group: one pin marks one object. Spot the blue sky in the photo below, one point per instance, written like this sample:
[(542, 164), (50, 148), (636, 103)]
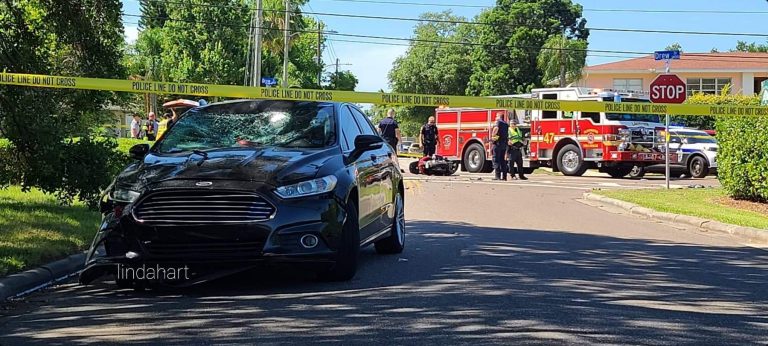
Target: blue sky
[(372, 62)]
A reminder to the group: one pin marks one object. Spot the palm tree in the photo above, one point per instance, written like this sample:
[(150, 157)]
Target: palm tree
[(562, 58)]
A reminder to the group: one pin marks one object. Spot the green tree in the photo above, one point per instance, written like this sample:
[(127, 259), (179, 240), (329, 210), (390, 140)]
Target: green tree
[(205, 44), (343, 80), (68, 38), (153, 14), (208, 43), (506, 62), (674, 46), (562, 59), (742, 46), (434, 68)]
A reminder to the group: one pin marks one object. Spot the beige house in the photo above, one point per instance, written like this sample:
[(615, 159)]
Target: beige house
[(703, 72)]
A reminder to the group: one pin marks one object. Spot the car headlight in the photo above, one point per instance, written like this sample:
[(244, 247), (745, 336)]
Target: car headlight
[(124, 195), (307, 188), (713, 149)]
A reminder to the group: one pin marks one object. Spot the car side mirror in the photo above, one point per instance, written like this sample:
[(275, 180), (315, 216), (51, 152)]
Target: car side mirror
[(368, 142), (364, 143), (138, 151)]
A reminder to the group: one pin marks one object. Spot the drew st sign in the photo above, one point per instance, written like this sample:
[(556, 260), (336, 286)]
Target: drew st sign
[(668, 88)]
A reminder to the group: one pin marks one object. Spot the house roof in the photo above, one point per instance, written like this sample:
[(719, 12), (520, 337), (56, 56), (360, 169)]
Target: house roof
[(735, 61)]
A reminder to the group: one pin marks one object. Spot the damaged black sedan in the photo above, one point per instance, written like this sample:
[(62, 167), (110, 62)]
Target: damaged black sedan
[(239, 184)]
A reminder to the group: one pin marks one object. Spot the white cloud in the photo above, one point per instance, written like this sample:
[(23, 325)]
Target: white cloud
[(370, 64), (131, 33)]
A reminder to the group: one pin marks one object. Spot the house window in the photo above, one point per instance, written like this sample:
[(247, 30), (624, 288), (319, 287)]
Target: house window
[(631, 84), (707, 85)]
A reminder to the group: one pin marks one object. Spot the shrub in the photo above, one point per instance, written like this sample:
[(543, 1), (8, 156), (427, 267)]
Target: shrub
[(742, 159), (75, 169)]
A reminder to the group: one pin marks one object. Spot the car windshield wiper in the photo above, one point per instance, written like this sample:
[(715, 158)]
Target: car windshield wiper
[(201, 153)]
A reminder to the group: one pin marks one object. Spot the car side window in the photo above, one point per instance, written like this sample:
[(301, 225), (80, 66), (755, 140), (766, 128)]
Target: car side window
[(365, 125), (349, 129)]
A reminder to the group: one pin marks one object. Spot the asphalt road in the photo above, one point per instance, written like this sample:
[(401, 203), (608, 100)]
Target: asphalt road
[(485, 263)]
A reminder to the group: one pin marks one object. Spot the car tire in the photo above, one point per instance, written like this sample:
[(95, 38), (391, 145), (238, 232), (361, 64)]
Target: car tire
[(395, 243), (619, 172), (474, 158), (346, 256), (637, 172), (698, 167), (570, 161)]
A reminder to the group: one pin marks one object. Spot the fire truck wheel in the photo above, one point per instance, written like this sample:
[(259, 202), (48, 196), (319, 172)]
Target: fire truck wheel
[(570, 162), (637, 172), (619, 171), (474, 158)]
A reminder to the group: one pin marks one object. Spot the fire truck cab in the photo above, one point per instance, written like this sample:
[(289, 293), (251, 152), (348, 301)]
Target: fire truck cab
[(569, 142)]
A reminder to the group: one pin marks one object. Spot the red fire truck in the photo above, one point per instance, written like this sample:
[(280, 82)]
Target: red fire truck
[(569, 142)]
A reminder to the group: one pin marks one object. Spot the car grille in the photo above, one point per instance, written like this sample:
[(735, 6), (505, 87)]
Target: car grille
[(207, 251), (202, 207)]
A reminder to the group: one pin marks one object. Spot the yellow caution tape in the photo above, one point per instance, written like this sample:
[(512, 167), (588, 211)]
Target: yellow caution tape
[(208, 90)]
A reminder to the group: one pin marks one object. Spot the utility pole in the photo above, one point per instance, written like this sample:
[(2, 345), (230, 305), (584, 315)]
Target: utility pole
[(336, 80), (257, 49), (562, 61), (286, 37), (319, 54)]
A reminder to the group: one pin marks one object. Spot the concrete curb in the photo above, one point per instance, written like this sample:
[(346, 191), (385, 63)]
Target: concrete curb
[(746, 234), (34, 279)]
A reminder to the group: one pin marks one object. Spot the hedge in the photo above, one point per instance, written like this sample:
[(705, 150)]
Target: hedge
[(742, 160)]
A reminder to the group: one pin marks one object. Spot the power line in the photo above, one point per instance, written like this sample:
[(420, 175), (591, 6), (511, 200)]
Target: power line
[(627, 10), (346, 15), (702, 57)]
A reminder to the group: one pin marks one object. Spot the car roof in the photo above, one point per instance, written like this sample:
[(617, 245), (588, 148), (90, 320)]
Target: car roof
[(229, 102)]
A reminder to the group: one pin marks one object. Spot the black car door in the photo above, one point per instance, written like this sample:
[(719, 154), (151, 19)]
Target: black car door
[(383, 162), (365, 170)]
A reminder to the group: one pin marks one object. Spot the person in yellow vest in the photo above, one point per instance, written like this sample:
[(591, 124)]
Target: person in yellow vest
[(164, 125), (515, 147)]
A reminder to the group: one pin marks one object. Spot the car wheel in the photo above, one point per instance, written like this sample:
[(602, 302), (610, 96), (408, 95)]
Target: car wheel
[(637, 172), (395, 243), (474, 158), (346, 256), (619, 171), (569, 161), (698, 167)]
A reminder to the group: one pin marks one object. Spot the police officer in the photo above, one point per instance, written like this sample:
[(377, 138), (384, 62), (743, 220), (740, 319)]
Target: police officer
[(500, 137), (152, 127), (389, 130), (428, 137), (515, 147)]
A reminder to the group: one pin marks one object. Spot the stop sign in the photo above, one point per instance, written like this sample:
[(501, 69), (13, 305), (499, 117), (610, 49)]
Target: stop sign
[(668, 88)]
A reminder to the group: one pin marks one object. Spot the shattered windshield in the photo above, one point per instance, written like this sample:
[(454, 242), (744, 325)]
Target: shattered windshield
[(252, 124)]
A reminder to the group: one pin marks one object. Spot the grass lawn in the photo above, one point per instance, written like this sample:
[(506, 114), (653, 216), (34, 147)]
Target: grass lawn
[(124, 144), (704, 203), (35, 229)]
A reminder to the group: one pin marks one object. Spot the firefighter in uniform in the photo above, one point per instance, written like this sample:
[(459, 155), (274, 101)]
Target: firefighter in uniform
[(500, 137), (515, 153)]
